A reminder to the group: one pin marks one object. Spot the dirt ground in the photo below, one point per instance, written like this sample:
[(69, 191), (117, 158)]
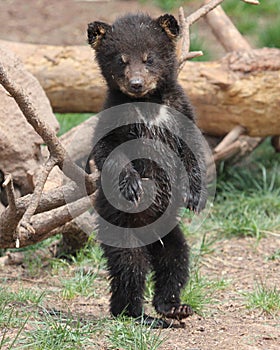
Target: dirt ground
[(62, 22), (229, 324)]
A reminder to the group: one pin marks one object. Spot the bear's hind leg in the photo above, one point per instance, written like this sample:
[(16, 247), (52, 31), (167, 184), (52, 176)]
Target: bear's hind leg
[(170, 260), (127, 269)]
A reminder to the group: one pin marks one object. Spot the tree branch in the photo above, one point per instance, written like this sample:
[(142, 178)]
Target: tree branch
[(231, 137), (8, 185), (225, 31), (44, 223), (57, 151), (58, 155), (24, 223), (53, 199), (185, 24)]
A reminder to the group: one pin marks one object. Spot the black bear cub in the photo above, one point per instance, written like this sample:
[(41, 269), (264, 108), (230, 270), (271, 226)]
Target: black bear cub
[(137, 57)]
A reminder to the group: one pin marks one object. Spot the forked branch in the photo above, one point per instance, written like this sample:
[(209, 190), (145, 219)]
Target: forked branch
[(58, 156), (185, 23)]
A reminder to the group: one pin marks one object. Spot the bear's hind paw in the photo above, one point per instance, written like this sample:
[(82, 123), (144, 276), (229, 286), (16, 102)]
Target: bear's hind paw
[(152, 322), (177, 312)]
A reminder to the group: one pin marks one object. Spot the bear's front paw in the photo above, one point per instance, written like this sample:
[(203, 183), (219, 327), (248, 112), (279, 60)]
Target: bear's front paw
[(175, 311), (196, 201), (131, 185)]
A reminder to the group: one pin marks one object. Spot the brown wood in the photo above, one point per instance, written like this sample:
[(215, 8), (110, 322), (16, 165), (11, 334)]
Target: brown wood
[(240, 89), (225, 31), (231, 137)]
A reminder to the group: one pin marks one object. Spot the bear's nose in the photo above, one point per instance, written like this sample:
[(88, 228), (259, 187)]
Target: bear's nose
[(136, 84)]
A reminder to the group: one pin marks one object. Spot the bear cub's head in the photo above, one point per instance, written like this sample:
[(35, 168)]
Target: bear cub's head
[(137, 53)]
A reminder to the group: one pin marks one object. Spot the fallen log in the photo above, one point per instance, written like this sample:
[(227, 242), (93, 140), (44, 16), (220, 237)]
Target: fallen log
[(240, 89)]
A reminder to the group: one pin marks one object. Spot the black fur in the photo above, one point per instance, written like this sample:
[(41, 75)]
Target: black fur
[(137, 58)]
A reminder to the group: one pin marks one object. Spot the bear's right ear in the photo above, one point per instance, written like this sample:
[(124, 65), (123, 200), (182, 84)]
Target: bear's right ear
[(96, 32), (170, 25)]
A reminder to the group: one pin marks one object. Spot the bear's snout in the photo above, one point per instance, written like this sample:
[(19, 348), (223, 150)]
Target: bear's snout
[(136, 84)]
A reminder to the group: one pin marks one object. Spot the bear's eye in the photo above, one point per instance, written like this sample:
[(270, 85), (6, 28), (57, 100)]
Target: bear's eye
[(122, 60), (149, 60)]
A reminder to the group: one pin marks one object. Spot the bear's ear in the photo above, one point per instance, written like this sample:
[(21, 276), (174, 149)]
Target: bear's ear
[(96, 32), (170, 25)]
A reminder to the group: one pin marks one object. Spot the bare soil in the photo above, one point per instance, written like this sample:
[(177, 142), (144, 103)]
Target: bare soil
[(62, 22), (228, 324)]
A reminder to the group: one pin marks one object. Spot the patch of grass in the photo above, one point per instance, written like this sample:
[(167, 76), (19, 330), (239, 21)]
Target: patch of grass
[(270, 7), (200, 292), (264, 298), (81, 284), (15, 313), (125, 333), (274, 256), (22, 296), (57, 331), (203, 247), (9, 316), (248, 204), (33, 260), (68, 120), (12, 320), (247, 198), (270, 37), (90, 255), (58, 265)]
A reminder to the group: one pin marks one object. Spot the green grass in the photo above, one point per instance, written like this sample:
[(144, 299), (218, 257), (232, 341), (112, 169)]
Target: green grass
[(270, 37), (266, 299), (247, 199), (57, 331), (90, 255), (15, 311), (274, 256), (7, 342), (200, 292), (68, 120), (79, 285), (124, 333), (22, 295)]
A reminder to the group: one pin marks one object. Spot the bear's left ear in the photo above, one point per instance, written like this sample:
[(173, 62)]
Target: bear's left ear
[(170, 25), (96, 31)]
